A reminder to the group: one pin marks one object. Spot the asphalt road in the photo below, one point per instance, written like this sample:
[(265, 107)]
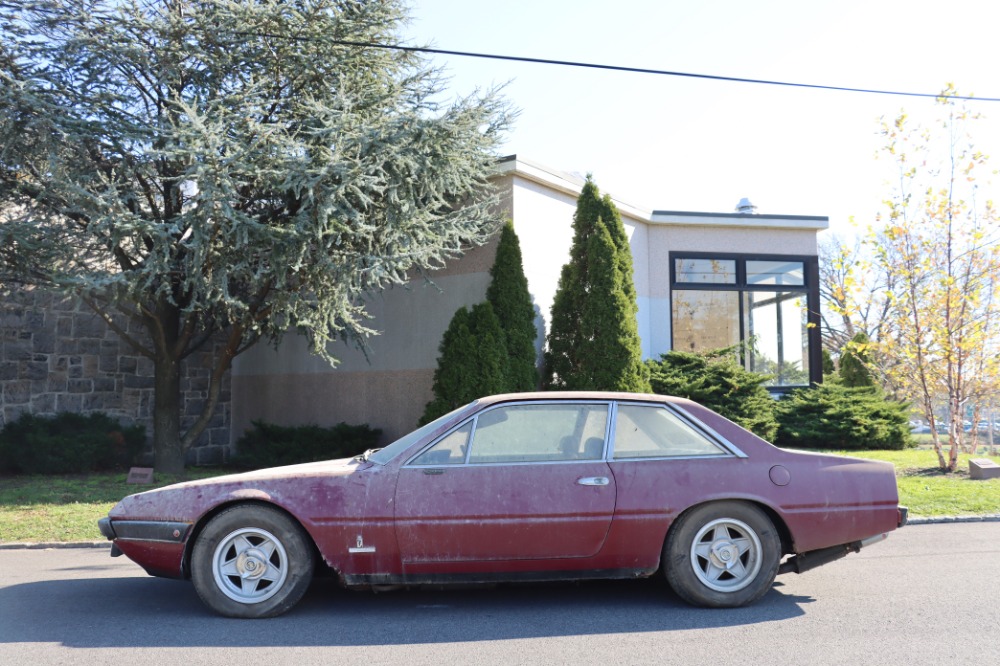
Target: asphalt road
[(930, 594)]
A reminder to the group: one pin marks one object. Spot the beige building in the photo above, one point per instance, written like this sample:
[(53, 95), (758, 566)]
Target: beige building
[(703, 280)]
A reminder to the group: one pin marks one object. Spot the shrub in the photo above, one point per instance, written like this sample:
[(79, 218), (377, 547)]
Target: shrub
[(716, 380), (68, 443), (511, 301), (828, 367), (855, 358), (593, 341), (473, 361), (834, 416), (269, 445)]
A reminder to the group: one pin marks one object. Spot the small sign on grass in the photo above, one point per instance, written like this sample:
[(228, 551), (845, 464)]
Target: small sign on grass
[(140, 475), (983, 468)]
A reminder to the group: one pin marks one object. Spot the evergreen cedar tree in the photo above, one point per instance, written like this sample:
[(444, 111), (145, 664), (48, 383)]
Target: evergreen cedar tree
[(490, 349), (593, 341), (197, 178)]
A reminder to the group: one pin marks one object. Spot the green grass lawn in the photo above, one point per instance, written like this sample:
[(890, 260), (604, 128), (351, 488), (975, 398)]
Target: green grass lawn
[(66, 508), (928, 492)]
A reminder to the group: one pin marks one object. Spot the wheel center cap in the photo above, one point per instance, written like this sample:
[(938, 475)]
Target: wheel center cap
[(251, 564), (724, 554)]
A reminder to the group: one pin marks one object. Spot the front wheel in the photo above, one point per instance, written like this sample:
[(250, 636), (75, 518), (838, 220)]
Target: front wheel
[(722, 555), (251, 561)]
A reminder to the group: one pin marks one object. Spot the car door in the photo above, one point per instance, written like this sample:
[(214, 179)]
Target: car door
[(523, 481)]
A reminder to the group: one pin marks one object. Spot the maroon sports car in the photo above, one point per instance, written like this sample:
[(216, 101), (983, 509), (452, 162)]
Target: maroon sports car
[(521, 487)]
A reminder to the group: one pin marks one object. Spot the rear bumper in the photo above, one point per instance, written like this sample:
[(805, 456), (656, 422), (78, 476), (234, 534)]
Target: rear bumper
[(803, 562)]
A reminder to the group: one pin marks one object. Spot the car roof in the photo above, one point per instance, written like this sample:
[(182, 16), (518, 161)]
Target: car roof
[(579, 395)]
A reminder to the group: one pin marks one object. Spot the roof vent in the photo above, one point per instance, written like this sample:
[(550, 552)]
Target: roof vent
[(744, 207)]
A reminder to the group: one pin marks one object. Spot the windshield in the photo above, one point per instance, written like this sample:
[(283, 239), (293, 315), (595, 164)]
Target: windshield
[(384, 455)]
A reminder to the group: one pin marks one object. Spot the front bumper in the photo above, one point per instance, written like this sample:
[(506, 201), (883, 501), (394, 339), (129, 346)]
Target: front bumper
[(157, 546), (144, 530), (108, 532)]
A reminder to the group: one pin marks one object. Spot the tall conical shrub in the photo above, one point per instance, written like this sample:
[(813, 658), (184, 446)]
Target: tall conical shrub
[(508, 294), (593, 341), (473, 361)]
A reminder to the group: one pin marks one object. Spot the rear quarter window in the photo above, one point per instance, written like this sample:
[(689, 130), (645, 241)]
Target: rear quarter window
[(655, 432)]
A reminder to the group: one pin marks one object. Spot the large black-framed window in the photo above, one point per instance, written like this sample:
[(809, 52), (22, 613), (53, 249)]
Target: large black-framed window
[(769, 302)]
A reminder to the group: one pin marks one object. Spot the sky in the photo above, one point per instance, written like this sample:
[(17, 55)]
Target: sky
[(670, 143)]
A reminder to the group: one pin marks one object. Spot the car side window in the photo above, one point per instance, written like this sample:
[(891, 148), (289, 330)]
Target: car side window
[(656, 432), (449, 450), (540, 433)]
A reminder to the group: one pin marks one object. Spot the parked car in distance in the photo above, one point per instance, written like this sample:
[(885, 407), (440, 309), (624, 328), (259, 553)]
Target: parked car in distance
[(520, 487)]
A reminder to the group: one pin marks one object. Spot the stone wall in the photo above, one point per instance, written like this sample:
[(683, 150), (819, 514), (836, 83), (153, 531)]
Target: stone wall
[(57, 355)]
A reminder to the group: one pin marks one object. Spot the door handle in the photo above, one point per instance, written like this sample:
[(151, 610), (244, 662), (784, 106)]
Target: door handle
[(433, 472), (593, 481)]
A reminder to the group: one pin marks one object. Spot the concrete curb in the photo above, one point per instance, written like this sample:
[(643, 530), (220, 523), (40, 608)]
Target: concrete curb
[(45, 545), (994, 518)]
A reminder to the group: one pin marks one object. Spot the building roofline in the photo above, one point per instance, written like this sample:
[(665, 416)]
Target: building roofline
[(768, 221), (567, 183), (572, 184), (764, 216)]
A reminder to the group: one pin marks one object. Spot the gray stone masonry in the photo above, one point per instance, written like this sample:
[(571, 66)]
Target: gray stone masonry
[(57, 355)]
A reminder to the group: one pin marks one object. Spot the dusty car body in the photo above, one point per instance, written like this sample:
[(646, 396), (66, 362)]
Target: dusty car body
[(520, 487)]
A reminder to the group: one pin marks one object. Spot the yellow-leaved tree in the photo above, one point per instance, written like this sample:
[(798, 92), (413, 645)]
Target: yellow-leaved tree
[(939, 244)]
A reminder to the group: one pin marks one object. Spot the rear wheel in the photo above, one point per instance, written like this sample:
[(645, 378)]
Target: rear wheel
[(251, 561), (722, 555)]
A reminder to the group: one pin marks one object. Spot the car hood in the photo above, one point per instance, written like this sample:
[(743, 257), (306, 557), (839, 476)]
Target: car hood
[(319, 483)]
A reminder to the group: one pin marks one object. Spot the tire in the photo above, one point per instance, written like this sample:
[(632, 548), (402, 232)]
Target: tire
[(251, 561), (722, 555)]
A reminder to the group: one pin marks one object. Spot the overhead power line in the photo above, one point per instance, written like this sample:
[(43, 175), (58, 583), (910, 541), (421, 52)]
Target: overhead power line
[(619, 68), (658, 72)]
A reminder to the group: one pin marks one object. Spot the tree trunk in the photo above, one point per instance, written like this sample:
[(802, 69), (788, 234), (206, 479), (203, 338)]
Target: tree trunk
[(935, 437), (222, 361), (973, 443), (168, 450), (168, 453), (955, 434)]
